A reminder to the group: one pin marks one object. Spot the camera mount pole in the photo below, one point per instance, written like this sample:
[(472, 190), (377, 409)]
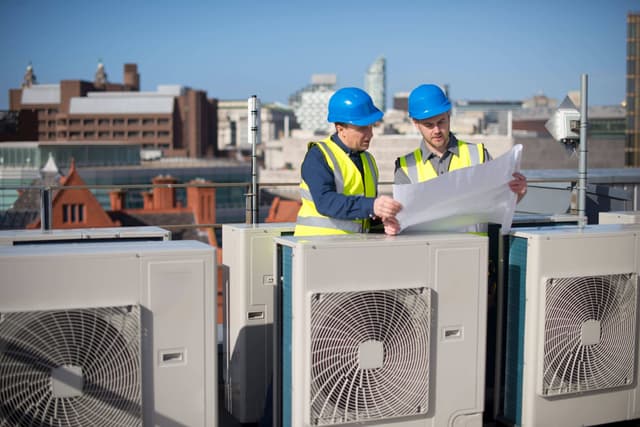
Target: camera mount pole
[(582, 167)]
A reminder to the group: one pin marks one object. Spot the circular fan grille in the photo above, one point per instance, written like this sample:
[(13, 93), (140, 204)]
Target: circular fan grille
[(590, 329), (100, 347), (394, 325)]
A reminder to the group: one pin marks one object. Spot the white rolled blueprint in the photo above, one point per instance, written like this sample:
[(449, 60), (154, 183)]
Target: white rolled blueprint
[(462, 198)]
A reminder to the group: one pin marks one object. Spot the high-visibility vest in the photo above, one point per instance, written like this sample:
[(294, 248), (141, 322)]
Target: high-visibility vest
[(418, 170), (349, 181)]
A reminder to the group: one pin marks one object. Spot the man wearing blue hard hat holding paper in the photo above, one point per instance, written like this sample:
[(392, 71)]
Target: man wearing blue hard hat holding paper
[(339, 185)]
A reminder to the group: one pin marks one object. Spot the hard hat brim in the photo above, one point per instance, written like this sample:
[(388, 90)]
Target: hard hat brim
[(364, 121), (427, 114)]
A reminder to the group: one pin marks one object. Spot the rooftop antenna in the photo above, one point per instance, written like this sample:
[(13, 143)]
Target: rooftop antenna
[(253, 106)]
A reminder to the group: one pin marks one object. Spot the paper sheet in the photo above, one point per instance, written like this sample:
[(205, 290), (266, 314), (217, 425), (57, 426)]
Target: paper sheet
[(462, 198)]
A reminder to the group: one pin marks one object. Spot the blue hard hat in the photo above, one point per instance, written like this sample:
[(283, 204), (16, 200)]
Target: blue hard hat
[(353, 106), (427, 101)]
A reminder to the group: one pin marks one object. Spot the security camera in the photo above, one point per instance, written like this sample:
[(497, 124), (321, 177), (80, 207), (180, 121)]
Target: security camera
[(564, 124)]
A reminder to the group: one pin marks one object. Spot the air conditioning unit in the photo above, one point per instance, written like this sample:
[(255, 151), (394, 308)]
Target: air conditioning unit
[(118, 334), (619, 217), (82, 235), (379, 330), (248, 328), (496, 312), (572, 326)]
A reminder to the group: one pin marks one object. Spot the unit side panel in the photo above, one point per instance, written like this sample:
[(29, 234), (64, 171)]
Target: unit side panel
[(179, 296), (461, 287)]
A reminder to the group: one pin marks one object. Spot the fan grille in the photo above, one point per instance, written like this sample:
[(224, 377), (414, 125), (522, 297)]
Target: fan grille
[(98, 348), (370, 355), (590, 329)]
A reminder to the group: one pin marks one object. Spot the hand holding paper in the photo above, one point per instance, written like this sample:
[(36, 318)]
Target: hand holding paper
[(464, 197)]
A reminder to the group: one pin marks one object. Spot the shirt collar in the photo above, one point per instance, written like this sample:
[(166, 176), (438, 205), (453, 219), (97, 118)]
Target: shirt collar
[(335, 138), (452, 148)]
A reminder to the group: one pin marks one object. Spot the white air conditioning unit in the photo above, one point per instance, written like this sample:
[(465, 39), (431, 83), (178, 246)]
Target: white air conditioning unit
[(118, 334), (84, 235), (379, 330), (248, 329), (572, 326), (619, 217)]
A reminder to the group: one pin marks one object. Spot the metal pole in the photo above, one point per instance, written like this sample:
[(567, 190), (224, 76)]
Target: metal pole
[(254, 139), (582, 171), (45, 208)]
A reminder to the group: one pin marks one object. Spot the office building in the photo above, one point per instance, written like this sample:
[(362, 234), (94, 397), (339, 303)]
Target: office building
[(276, 122), (310, 103), (175, 120)]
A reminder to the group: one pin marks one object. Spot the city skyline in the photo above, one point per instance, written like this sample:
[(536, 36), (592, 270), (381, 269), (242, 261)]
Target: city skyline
[(492, 51)]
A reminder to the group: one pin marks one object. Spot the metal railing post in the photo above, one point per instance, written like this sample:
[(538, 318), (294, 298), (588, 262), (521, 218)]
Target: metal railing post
[(45, 208)]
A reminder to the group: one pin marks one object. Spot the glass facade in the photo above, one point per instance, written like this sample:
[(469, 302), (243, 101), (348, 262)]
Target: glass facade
[(375, 83)]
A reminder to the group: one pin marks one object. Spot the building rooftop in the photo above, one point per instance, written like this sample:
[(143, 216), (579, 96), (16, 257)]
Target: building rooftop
[(41, 94)]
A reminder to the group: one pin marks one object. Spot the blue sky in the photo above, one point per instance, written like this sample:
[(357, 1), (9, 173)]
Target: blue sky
[(489, 50)]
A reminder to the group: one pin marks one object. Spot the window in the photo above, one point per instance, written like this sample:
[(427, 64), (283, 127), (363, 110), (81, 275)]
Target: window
[(73, 213), (133, 121), (148, 121), (118, 134), (133, 134), (104, 122), (163, 133), (74, 122), (118, 121), (163, 121), (89, 134), (103, 134), (148, 134)]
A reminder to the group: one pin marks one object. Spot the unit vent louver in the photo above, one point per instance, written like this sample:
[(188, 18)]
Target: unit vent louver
[(75, 367), (590, 329), (370, 355)]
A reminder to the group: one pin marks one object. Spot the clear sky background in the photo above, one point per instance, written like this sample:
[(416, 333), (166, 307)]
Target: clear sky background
[(489, 50)]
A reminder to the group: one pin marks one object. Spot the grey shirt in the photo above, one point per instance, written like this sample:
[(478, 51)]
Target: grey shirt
[(440, 164)]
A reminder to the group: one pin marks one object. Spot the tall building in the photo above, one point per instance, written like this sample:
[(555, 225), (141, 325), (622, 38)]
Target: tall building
[(310, 103), (175, 120), (276, 122), (632, 154), (375, 82)]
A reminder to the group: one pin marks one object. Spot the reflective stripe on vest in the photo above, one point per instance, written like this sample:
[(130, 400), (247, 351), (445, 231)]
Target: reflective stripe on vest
[(418, 171), (348, 181)]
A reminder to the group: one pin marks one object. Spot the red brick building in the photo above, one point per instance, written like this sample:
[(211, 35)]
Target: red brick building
[(176, 120)]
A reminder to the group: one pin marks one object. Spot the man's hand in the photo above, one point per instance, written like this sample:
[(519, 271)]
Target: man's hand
[(391, 226), (518, 185), (386, 207)]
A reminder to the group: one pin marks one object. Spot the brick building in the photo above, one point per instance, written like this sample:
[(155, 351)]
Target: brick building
[(174, 120)]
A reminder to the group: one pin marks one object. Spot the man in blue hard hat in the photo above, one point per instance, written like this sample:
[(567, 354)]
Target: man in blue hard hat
[(440, 151), (339, 186)]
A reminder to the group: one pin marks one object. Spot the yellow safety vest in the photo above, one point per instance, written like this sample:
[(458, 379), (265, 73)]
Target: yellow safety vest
[(418, 170), (348, 181)]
